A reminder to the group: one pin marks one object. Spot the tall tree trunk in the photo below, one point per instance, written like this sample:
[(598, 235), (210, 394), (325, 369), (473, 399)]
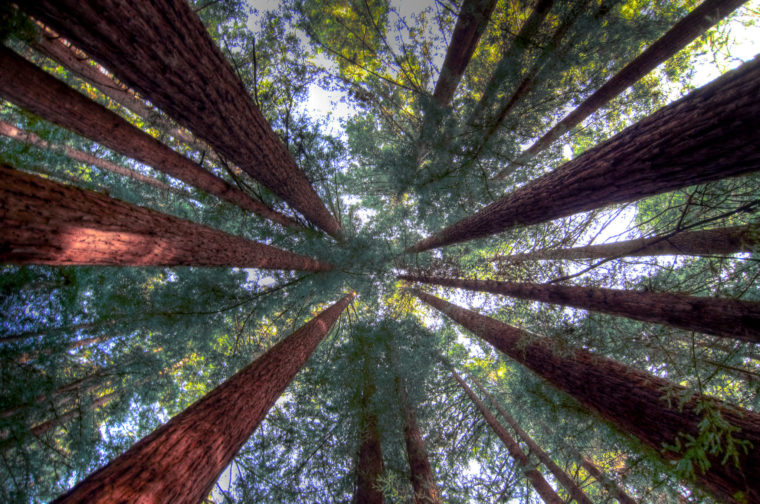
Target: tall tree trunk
[(471, 24), (717, 241), (613, 488), (728, 318), (632, 400), (44, 222), (163, 51), (180, 461), (369, 464), (56, 330), (30, 138), (565, 480), (73, 345), (543, 488), (56, 102), (708, 135), (708, 14)]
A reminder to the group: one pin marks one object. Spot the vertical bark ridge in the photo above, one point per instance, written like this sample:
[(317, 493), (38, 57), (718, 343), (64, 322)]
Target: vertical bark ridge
[(180, 461), (630, 399), (708, 135), (56, 102), (369, 464), (45, 222), (543, 488), (728, 318), (164, 52)]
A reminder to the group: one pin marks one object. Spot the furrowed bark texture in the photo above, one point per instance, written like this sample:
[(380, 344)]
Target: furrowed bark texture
[(543, 488), (56, 102), (369, 464), (708, 14), (180, 461), (729, 318), (718, 241), (708, 135), (565, 480), (45, 222), (632, 400), (471, 23), (162, 50)]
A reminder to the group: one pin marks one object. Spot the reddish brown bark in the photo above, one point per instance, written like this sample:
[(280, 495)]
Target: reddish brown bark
[(44, 222), (180, 461), (729, 318), (708, 14), (471, 23), (565, 480), (708, 135), (56, 102), (543, 488), (718, 241), (163, 51), (369, 463), (631, 399)]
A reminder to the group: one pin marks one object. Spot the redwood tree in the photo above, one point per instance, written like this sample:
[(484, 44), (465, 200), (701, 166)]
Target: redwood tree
[(730, 318), (181, 460), (369, 462), (708, 135), (45, 222), (632, 400)]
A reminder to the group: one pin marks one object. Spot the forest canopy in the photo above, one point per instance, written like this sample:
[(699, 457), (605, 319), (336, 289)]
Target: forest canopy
[(436, 251)]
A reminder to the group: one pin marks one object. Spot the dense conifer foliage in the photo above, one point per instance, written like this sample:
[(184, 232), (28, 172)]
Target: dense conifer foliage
[(374, 251)]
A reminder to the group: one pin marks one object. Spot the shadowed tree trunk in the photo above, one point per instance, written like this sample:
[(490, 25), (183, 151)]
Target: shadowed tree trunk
[(164, 52), (613, 488), (571, 486), (543, 488), (718, 241), (44, 222), (632, 400), (369, 464), (728, 318), (708, 135), (56, 102), (708, 14), (180, 461)]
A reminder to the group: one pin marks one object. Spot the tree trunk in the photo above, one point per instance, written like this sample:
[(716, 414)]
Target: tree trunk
[(56, 330), (631, 399), (708, 14), (163, 51), (56, 102), (728, 318), (543, 488), (471, 24), (565, 480), (613, 488), (44, 222), (717, 241), (73, 345), (369, 464), (708, 135), (180, 461)]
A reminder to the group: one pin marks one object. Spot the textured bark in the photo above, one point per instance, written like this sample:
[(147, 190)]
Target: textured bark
[(717, 241), (164, 52), (708, 14), (30, 138), (56, 102), (708, 135), (45, 222), (471, 24), (543, 488), (369, 464), (728, 318), (565, 480), (180, 461), (631, 399)]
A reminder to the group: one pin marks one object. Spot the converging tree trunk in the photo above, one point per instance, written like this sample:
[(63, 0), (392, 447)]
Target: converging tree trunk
[(698, 21), (164, 52), (45, 222), (632, 400), (729, 318), (56, 102), (717, 241), (710, 134), (369, 463), (180, 461), (565, 480), (543, 488)]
